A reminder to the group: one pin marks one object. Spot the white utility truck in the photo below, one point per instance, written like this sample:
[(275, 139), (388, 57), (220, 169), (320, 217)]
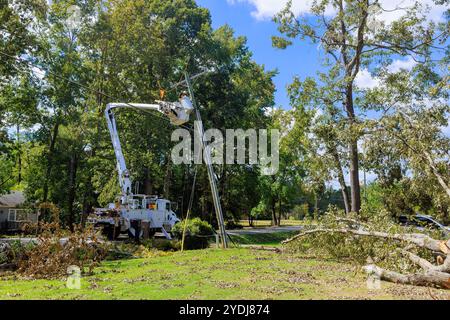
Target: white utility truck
[(132, 210)]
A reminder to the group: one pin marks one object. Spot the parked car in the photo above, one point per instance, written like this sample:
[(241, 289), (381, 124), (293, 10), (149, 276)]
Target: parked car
[(420, 222)]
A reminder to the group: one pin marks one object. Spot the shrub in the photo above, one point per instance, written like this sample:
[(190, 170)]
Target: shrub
[(160, 244), (198, 233)]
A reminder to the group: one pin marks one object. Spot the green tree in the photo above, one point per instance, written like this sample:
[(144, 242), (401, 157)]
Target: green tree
[(353, 37)]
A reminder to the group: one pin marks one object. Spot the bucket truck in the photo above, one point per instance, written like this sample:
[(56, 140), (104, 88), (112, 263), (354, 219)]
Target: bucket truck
[(131, 210)]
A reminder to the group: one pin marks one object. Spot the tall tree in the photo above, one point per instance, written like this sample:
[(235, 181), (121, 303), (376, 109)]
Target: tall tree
[(352, 36)]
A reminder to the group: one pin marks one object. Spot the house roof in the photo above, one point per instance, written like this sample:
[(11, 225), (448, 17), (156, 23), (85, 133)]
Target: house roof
[(12, 200)]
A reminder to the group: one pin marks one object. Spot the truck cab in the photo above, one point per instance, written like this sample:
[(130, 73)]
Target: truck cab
[(119, 217)]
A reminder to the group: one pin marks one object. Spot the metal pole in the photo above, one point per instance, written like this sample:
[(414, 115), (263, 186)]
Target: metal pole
[(211, 175)]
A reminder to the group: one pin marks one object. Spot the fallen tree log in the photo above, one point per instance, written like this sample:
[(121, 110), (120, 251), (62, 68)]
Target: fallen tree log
[(431, 275), (418, 239), (425, 279)]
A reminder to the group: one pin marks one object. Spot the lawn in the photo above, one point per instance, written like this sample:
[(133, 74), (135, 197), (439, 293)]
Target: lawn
[(216, 274), (264, 239)]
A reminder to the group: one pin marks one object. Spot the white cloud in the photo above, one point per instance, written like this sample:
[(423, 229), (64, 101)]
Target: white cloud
[(266, 9), (365, 80), (399, 65), (390, 15)]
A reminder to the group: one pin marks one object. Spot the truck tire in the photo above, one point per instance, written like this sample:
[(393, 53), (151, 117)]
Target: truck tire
[(131, 233), (111, 232)]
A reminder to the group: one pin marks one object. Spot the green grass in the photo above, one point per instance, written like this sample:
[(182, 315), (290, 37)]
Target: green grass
[(214, 274), (265, 239)]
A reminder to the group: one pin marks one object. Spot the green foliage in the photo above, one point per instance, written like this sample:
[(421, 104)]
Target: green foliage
[(355, 39), (6, 170), (300, 212), (198, 233), (359, 249), (126, 50), (121, 51)]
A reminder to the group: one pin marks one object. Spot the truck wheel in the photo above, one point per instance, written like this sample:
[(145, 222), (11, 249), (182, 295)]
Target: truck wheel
[(131, 233), (111, 232)]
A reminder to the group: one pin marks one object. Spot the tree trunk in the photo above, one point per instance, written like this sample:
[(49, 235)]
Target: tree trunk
[(148, 187), (352, 67), (73, 166), (436, 173), (426, 279), (49, 168), (354, 156), (167, 181), (274, 213), (341, 179), (316, 203), (19, 157), (280, 211), (87, 203)]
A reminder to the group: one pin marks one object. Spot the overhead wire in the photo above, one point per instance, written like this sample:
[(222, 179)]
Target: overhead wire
[(191, 202), (23, 61), (174, 87)]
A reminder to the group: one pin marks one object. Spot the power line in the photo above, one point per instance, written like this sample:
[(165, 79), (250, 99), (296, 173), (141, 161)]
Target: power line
[(23, 61)]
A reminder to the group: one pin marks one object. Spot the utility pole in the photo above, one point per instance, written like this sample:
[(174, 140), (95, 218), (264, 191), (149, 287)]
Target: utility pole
[(211, 175)]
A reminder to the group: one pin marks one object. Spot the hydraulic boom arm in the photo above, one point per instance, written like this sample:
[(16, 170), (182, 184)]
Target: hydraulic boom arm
[(178, 113)]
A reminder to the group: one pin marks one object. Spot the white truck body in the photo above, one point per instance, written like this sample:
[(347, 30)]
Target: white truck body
[(131, 208)]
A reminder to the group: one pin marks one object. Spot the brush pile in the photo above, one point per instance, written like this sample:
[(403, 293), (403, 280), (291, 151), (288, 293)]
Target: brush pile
[(53, 252)]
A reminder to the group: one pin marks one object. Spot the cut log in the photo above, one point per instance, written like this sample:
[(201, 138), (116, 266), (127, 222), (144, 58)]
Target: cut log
[(425, 279), (424, 264)]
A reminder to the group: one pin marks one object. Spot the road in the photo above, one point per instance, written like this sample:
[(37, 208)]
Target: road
[(230, 232), (265, 230), (25, 241)]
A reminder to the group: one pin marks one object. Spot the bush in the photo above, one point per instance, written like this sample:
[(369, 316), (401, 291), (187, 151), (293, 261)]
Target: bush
[(12, 252), (160, 244), (198, 233)]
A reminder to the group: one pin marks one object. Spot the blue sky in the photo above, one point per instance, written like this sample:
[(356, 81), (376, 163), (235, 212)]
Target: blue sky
[(300, 59), (252, 19)]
